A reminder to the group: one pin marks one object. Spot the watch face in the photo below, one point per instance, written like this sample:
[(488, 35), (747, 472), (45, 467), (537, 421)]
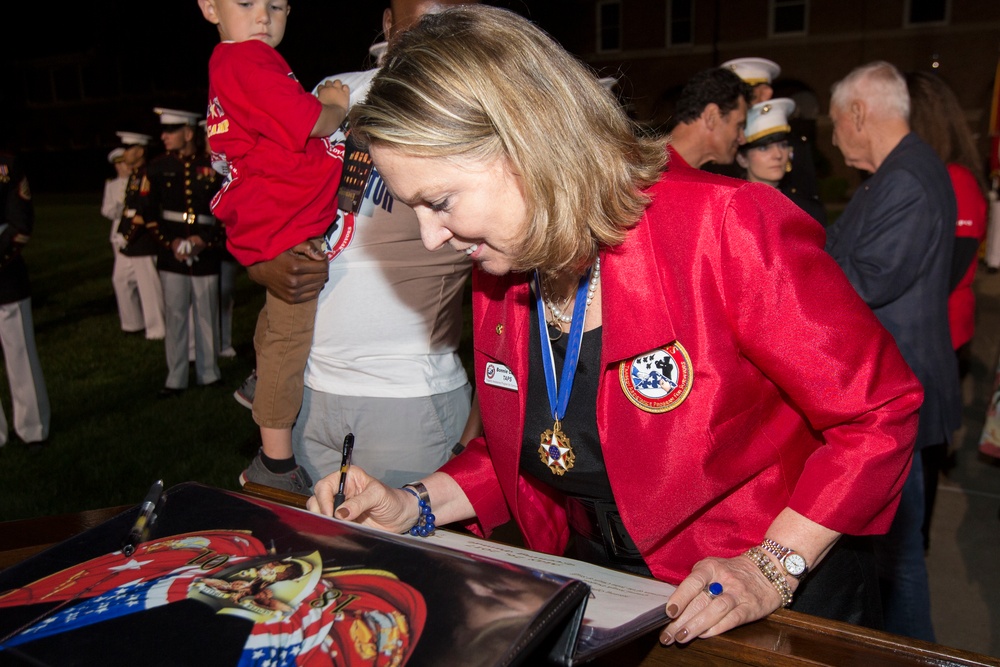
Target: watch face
[(795, 564)]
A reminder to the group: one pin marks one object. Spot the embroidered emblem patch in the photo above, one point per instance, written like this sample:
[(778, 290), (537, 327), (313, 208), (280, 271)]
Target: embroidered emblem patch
[(499, 375), (338, 235), (659, 380)]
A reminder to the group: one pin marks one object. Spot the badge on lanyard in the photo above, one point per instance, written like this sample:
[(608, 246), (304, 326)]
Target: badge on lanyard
[(659, 380)]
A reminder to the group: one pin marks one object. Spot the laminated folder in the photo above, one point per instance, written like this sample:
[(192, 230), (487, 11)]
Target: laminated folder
[(223, 579)]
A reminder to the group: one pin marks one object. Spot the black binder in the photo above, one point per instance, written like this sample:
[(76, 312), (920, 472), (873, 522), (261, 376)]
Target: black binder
[(225, 579)]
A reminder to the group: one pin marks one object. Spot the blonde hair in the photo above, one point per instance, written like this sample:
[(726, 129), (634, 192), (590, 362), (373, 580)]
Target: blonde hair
[(483, 83)]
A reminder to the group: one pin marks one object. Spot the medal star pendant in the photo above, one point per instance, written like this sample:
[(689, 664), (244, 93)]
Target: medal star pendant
[(555, 450)]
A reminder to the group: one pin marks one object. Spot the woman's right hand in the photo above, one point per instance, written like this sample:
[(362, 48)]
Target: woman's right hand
[(368, 501)]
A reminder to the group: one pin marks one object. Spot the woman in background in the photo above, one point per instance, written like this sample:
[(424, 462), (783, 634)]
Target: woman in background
[(767, 154), (938, 119)]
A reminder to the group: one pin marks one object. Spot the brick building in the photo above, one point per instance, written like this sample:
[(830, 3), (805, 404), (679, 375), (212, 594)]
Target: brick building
[(67, 92), (656, 45)]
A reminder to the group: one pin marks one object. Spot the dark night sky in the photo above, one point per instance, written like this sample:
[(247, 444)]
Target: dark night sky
[(323, 36), (158, 52)]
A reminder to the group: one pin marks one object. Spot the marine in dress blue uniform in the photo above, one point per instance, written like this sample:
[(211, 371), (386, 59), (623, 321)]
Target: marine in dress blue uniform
[(29, 395), (176, 206), (800, 184), (135, 262)]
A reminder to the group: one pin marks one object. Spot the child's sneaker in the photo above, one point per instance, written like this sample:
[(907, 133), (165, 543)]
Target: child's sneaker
[(244, 395), (296, 481)]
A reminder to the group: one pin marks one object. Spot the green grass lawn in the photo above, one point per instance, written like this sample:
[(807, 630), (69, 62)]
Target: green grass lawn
[(110, 436)]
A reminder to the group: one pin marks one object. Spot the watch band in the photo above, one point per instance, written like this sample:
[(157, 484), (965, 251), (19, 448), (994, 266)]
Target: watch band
[(792, 562)]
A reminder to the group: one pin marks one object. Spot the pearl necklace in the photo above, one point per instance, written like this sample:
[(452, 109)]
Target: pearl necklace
[(566, 318)]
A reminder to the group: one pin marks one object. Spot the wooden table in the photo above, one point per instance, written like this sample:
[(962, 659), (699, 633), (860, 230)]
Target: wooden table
[(785, 638)]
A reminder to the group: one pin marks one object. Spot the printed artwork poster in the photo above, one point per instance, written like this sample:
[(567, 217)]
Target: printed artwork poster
[(228, 580)]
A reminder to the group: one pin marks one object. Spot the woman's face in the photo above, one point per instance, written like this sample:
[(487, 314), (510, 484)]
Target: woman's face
[(477, 207), (766, 164)]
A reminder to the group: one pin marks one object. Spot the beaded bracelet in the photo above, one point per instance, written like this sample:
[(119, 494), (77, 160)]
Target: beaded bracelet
[(425, 522), (770, 572)]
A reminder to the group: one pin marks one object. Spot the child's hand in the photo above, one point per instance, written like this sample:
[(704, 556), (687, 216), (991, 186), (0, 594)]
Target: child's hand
[(334, 93), (335, 98)]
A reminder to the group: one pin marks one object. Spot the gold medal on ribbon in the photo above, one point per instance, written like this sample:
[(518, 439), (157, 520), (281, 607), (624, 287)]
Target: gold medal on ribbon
[(555, 450)]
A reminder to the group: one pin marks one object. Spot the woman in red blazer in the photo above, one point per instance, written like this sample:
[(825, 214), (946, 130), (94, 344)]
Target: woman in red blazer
[(674, 377)]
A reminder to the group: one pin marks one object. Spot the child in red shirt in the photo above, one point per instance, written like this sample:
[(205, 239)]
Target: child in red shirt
[(269, 137)]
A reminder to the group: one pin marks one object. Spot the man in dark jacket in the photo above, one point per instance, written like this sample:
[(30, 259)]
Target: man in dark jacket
[(894, 241)]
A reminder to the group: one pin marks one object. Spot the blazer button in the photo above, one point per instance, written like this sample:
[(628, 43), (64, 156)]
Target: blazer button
[(499, 329)]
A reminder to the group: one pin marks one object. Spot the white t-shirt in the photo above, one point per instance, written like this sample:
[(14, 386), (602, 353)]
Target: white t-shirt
[(389, 320)]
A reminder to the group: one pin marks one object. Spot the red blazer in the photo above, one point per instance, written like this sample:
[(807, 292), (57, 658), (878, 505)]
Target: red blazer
[(796, 395)]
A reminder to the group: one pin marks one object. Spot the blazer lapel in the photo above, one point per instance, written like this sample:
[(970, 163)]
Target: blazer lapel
[(501, 337), (634, 299)]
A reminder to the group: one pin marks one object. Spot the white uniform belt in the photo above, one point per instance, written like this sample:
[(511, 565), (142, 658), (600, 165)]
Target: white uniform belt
[(190, 218)]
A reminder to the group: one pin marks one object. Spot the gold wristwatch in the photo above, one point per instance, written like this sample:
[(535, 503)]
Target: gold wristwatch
[(794, 564)]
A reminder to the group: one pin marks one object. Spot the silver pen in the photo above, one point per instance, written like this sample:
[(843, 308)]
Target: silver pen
[(145, 519)]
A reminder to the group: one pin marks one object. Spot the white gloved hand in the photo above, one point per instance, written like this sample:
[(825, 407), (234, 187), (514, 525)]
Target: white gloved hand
[(184, 249)]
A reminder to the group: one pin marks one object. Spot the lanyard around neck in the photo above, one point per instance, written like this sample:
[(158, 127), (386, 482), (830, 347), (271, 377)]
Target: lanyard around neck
[(559, 393)]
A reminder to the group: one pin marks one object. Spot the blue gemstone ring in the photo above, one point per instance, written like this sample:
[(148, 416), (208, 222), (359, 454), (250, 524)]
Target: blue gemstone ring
[(714, 589)]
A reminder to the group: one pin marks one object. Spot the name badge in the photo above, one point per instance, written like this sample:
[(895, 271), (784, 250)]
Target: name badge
[(659, 380), (499, 375)]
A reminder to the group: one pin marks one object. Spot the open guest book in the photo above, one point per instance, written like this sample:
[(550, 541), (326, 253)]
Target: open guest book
[(224, 579)]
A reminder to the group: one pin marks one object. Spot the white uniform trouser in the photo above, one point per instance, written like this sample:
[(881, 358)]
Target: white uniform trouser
[(139, 294), (191, 299), (27, 386)]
